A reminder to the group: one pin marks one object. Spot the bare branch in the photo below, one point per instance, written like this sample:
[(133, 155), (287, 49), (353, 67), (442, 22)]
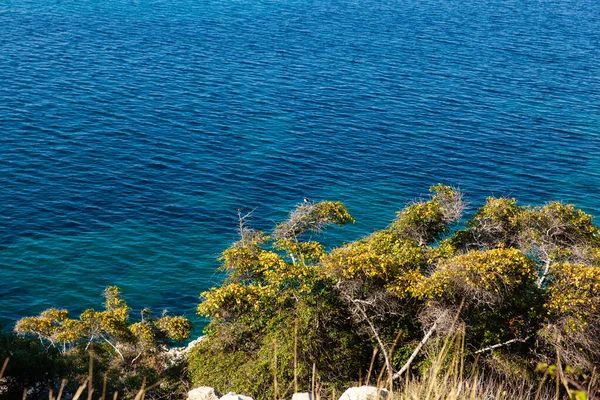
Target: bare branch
[(495, 346), (113, 346), (382, 346), (243, 229), (416, 352), (540, 281)]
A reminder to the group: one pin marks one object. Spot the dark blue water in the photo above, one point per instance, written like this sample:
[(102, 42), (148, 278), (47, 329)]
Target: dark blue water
[(131, 131)]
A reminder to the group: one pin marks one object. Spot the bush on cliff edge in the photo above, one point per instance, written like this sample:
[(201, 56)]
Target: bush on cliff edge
[(520, 282)]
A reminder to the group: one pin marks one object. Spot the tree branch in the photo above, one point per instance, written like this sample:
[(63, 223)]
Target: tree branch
[(414, 353), (386, 356), (495, 346), (136, 357), (113, 346), (540, 281)]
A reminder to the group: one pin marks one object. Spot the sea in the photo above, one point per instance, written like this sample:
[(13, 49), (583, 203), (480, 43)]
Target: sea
[(132, 132)]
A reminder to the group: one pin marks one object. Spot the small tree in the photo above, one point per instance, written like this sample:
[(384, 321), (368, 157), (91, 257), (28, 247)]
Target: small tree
[(276, 313), (377, 275), (130, 341)]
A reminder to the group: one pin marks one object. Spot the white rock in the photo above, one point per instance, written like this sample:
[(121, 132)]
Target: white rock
[(364, 393), (202, 393), (176, 354), (194, 343), (302, 396), (235, 396)]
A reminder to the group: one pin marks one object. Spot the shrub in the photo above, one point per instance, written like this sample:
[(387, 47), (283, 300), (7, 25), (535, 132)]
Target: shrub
[(126, 352), (521, 282)]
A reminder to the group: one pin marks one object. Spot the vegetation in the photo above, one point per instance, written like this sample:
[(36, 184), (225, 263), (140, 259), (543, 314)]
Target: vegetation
[(129, 354), (519, 283), (30, 365), (503, 304)]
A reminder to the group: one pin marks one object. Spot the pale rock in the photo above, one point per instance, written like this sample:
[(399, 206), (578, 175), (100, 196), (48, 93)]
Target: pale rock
[(302, 396), (235, 396), (176, 354), (194, 343), (202, 393), (364, 393)]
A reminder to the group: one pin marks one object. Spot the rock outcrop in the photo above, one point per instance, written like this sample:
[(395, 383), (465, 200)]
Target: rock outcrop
[(176, 354)]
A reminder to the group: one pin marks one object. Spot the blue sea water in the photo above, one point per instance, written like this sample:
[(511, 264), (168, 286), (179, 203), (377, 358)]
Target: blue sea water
[(131, 131)]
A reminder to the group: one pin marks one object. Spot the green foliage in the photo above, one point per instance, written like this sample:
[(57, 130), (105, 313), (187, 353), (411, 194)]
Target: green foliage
[(245, 357), (111, 325), (520, 281), (31, 365), (126, 352)]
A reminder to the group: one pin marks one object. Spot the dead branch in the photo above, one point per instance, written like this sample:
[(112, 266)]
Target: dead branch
[(386, 356), (540, 281), (495, 346), (416, 352)]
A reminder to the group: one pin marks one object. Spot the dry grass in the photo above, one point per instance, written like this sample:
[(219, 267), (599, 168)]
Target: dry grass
[(448, 378), (474, 388), (87, 384)]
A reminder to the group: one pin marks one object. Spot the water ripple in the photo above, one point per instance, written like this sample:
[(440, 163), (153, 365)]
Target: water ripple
[(133, 131)]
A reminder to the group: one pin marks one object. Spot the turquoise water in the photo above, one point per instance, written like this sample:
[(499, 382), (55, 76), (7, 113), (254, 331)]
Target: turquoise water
[(131, 131)]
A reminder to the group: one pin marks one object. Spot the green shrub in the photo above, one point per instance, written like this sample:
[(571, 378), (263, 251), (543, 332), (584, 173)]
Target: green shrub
[(521, 282), (129, 354)]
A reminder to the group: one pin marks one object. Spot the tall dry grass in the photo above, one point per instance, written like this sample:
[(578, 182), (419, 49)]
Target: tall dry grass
[(446, 377), (85, 390), (449, 378)]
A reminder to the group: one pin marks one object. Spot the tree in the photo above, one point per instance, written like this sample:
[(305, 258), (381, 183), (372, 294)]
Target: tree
[(277, 313), (112, 326), (128, 351)]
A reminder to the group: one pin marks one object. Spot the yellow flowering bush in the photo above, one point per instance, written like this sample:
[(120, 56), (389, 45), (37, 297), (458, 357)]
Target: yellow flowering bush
[(574, 295), (482, 275), (111, 325), (383, 255)]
